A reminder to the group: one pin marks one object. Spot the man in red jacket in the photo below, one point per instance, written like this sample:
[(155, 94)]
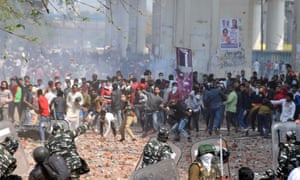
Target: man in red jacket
[(106, 95), (44, 113)]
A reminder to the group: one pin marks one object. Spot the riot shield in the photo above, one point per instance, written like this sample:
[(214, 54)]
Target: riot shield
[(7, 129), (175, 149), (162, 170), (278, 136), (225, 170)]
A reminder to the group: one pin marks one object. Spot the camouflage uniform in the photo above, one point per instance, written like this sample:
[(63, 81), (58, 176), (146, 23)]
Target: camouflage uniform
[(198, 171), (7, 161), (289, 156), (62, 143), (158, 149)]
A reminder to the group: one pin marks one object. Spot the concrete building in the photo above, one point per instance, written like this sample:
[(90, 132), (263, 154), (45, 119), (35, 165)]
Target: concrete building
[(296, 39), (197, 25), (201, 25)]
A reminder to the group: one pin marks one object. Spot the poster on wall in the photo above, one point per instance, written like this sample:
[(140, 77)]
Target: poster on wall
[(229, 34), (184, 70)]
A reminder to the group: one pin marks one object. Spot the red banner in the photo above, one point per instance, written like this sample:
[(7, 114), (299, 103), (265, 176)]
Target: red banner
[(184, 70)]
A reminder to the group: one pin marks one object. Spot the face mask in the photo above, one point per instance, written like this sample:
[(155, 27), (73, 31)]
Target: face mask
[(174, 89), (206, 160)]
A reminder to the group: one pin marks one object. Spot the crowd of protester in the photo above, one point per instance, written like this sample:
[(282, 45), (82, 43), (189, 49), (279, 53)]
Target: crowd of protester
[(236, 103), (239, 103)]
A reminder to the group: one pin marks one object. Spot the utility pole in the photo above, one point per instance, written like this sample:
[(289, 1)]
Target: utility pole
[(296, 37), (262, 26)]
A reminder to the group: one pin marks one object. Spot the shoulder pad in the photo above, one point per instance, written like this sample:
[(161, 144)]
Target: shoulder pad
[(197, 163)]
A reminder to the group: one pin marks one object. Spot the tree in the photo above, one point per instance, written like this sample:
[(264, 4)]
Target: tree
[(18, 15)]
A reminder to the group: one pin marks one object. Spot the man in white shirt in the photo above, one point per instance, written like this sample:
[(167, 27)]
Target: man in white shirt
[(74, 103), (256, 66), (288, 107)]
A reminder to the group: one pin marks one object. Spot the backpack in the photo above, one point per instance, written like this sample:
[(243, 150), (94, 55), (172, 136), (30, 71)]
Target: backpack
[(57, 168)]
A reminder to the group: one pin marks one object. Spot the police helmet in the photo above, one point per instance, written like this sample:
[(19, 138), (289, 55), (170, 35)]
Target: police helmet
[(11, 144), (57, 127), (40, 154), (206, 148), (163, 134), (291, 136)]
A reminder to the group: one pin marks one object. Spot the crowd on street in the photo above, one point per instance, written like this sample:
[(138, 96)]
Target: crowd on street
[(238, 104)]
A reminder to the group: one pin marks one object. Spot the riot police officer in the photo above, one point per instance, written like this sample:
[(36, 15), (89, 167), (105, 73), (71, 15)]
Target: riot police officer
[(40, 154), (48, 167), (7, 161), (62, 143), (289, 155), (204, 167), (158, 149)]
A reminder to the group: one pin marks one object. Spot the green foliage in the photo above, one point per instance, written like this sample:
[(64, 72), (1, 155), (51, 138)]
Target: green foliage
[(13, 17), (85, 19), (24, 18), (35, 13), (68, 2), (111, 21)]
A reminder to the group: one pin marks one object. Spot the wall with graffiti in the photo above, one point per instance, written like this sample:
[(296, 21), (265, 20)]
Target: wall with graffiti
[(269, 63), (232, 58)]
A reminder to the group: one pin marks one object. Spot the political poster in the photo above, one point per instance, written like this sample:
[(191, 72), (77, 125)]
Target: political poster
[(229, 34)]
